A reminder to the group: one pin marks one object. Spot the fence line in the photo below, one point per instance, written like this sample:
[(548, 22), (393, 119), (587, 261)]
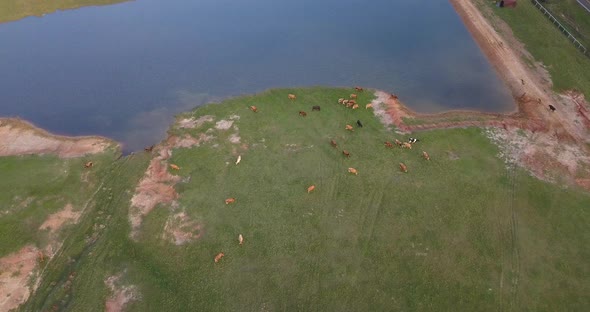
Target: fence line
[(563, 30), (584, 5)]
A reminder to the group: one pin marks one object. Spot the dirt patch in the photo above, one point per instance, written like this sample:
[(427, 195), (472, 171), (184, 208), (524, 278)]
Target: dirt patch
[(121, 295), (224, 124), (190, 141), (235, 138), (181, 229), (18, 137), (16, 270), (55, 221), (191, 123)]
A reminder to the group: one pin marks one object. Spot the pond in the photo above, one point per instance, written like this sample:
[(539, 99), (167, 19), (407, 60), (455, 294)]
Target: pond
[(123, 70)]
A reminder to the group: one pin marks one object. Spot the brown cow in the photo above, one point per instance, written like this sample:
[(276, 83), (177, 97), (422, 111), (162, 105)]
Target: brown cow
[(88, 164), (388, 144), (219, 256), (310, 189), (398, 142), (240, 239), (175, 167), (359, 89), (333, 143), (351, 102), (346, 153), (316, 108), (230, 200), (149, 148), (353, 171), (407, 145), (393, 96), (425, 155), (368, 106), (349, 127), (302, 113), (353, 96), (292, 97), (403, 167), (355, 106), (340, 100), (254, 109)]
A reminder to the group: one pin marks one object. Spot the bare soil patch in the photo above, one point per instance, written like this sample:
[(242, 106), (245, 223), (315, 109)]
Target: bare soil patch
[(224, 124), (55, 221), (191, 123), (18, 137), (121, 295), (181, 229), (16, 270)]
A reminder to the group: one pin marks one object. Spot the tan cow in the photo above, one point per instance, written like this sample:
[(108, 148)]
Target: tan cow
[(340, 100), (353, 171), (310, 189), (88, 164), (346, 153), (368, 106), (349, 127), (398, 142), (333, 143), (292, 97), (219, 256), (355, 106), (407, 145), (175, 167), (353, 96), (425, 155), (345, 102), (230, 200), (241, 239), (254, 109), (403, 167)]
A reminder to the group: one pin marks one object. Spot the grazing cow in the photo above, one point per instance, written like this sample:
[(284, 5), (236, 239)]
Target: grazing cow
[(552, 108), (310, 189), (333, 143), (359, 89), (393, 96), (398, 142), (413, 140), (41, 256), (403, 167), (353, 171), (355, 106), (359, 123), (254, 109), (346, 153), (340, 100), (239, 159), (292, 97), (407, 145), (149, 148), (368, 106), (352, 102), (241, 239), (88, 164), (349, 127), (349, 104), (175, 167), (316, 108), (302, 113), (353, 96), (388, 144), (219, 256), (345, 102), (230, 200), (425, 155)]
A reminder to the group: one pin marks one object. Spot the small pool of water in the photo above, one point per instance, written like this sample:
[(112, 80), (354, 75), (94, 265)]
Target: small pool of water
[(125, 69)]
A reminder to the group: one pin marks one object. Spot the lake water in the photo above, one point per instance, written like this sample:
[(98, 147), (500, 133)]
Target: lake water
[(125, 69)]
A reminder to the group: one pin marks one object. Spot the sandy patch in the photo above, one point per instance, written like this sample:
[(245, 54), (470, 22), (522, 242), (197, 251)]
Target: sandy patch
[(235, 138), (121, 295), (181, 229), (191, 123), (224, 124), (190, 141), (16, 270), (18, 137), (55, 221)]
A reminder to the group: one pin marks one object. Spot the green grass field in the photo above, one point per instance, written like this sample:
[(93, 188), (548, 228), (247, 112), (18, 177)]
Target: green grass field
[(462, 231), (12, 10), (569, 69)]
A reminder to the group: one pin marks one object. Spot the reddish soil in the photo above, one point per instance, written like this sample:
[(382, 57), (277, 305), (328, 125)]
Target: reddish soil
[(18, 137), (16, 269)]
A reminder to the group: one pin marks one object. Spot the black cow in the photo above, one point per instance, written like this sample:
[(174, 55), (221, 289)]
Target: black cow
[(359, 123), (552, 108), (316, 108)]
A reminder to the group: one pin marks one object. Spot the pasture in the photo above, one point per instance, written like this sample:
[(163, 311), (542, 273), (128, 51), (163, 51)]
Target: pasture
[(462, 231)]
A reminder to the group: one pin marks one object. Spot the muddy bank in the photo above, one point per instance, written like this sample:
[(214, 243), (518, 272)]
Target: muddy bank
[(18, 137)]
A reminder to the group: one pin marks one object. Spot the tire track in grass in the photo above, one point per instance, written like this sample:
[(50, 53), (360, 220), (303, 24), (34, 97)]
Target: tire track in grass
[(515, 257)]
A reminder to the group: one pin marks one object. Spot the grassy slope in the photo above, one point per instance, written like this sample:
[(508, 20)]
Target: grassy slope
[(569, 69), (12, 10), (574, 17), (464, 233)]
